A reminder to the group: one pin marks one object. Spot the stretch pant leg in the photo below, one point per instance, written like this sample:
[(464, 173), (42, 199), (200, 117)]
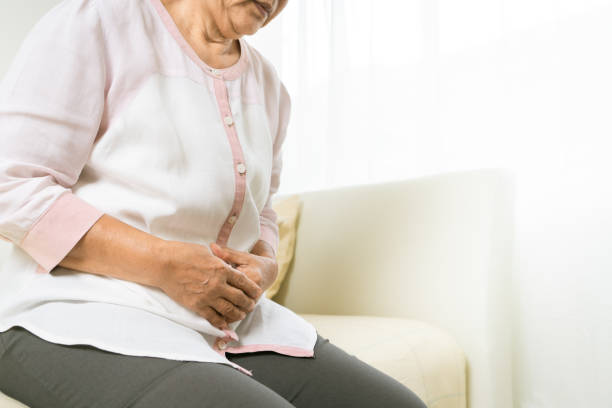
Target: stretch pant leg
[(333, 379), (49, 375), (42, 374)]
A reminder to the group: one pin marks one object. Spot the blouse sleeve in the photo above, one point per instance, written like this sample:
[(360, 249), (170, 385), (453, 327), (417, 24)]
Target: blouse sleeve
[(269, 228), (51, 104)]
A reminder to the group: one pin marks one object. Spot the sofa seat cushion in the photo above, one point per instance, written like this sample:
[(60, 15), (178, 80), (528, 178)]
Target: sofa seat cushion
[(422, 357)]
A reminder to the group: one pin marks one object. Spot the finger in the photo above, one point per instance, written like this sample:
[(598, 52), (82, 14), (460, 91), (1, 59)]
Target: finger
[(217, 251), (241, 281), (238, 298), (224, 256), (214, 317), (228, 310), (254, 276), (230, 255)]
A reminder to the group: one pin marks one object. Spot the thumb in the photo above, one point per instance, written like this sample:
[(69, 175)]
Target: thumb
[(223, 253), (230, 255), (218, 251)]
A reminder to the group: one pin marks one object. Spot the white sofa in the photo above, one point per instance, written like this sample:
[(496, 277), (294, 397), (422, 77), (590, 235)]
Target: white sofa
[(409, 276)]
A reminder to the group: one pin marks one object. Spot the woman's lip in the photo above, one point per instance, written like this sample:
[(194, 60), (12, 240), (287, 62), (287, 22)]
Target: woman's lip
[(262, 8)]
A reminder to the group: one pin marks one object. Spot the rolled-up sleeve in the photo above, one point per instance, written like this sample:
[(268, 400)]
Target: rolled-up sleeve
[(51, 104), (268, 227)]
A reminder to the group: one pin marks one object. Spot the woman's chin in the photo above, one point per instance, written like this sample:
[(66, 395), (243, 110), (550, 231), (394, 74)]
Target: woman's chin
[(246, 21), (249, 27)]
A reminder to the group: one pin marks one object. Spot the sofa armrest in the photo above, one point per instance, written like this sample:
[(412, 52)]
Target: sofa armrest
[(437, 248)]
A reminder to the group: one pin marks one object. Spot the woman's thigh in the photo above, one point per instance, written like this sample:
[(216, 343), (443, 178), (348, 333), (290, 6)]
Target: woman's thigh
[(44, 374), (333, 378)]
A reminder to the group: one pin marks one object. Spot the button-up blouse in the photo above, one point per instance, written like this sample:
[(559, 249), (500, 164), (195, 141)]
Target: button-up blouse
[(106, 109)]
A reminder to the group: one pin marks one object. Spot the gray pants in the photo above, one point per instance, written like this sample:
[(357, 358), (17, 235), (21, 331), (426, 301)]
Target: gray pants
[(49, 375)]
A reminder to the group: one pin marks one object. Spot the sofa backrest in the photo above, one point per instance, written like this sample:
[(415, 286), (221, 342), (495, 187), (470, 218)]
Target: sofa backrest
[(437, 248)]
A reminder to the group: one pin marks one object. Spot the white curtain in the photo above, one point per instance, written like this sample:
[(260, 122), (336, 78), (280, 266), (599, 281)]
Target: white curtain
[(392, 89)]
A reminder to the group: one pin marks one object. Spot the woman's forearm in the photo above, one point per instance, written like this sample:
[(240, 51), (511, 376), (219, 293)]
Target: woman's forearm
[(116, 249), (188, 273)]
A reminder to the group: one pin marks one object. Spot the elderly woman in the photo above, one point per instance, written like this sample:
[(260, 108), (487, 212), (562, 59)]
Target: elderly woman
[(141, 146)]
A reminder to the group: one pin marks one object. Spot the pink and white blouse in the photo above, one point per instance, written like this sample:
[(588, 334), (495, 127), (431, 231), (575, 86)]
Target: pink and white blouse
[(106, 109)]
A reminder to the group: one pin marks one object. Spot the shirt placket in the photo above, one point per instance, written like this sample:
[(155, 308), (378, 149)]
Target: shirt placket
[(239, 170), (239, 166)]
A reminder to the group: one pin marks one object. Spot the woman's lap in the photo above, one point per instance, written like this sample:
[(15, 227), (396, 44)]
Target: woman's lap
[(44, 374), (333, 378)]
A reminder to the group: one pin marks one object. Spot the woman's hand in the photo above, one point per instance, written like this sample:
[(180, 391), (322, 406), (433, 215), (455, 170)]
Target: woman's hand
[(262, 270), (197, 279)]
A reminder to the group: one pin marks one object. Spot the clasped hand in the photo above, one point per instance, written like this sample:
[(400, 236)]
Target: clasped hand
[(260, 269), (220, 284)]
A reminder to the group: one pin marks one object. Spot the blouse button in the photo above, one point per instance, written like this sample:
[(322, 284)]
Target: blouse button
[(232, 219), (241, 168), (228, 120)]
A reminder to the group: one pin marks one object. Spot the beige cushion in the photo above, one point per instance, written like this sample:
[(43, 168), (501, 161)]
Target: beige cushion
[(287, 211), (422, 357)]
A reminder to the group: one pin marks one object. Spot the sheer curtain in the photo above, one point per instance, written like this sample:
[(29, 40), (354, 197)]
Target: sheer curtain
[(392, 89)]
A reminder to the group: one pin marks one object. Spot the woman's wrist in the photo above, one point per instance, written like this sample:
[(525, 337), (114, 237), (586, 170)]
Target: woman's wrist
[(162, 251)]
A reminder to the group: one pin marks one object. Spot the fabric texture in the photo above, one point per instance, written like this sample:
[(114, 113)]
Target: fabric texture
[(425, 358), (106, 109), (44, 374), (288, 211)]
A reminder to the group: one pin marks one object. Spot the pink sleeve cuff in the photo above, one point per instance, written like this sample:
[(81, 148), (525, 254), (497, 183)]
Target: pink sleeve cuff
[(58, 230), (270, 235)]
